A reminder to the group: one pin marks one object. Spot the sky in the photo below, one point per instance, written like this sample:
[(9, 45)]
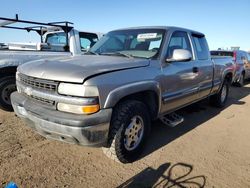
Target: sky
[(225, 23)]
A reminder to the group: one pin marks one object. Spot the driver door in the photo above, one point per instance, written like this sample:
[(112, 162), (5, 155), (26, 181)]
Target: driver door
[(180, 79)]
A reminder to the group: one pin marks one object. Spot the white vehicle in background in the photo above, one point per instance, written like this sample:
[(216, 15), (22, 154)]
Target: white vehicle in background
[(57, 39)]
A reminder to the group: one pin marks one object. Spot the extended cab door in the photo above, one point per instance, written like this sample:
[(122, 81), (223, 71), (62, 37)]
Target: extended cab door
[(180, 81), (203, 65)]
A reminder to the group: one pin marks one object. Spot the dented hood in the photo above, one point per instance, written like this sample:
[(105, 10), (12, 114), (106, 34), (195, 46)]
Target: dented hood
[(77, 69)]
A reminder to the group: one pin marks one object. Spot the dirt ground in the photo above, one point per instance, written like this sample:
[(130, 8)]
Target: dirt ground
[(210, 149)]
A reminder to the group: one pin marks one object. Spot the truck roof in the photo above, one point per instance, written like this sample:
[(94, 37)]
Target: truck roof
[(162, 27)]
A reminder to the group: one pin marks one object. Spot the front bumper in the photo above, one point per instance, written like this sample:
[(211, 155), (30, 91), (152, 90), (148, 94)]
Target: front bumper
[(87, 130)]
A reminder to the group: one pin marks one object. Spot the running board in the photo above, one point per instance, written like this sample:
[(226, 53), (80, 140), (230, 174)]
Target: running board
[(172, 119)]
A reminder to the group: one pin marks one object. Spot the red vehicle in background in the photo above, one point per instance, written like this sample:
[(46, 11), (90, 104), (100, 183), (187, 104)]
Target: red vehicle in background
[(242, 64)]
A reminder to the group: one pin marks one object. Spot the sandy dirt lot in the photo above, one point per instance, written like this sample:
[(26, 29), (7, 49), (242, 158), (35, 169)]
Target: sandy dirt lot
[(210, 149)]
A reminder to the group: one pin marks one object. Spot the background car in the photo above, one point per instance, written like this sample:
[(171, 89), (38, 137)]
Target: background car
[(242, 64)]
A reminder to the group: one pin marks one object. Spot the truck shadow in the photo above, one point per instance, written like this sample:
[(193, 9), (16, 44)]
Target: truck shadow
[(194, 115), (177, 175)]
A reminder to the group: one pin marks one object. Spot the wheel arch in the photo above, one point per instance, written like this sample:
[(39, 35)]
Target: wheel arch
[(147, 92)]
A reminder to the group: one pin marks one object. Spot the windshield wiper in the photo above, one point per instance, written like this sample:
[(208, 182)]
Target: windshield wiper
[(117, 54)]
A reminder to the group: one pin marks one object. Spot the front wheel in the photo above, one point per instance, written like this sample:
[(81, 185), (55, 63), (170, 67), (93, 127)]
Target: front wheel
[(7, 86), (130, 126), (220, 99)]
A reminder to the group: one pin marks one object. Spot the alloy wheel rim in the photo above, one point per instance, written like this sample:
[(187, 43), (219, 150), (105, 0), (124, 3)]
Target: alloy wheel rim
[(134, 133), (223, 93)]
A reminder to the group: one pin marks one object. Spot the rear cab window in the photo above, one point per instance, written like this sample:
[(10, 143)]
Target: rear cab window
[(201, 46), (56, 42), (222, 53)]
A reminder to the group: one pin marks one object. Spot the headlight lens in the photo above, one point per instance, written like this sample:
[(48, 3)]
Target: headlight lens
[(75, 109), (77, 90)]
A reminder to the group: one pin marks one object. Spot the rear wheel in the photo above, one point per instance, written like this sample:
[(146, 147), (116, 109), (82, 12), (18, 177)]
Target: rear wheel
[(220, 99), (7, 86), (130, 126), (240, 83)]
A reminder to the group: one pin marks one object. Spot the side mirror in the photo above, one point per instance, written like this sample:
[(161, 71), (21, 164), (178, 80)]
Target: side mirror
[(180, 55)]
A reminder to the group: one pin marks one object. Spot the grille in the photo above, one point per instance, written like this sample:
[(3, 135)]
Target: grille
[(38, 83), (42, 100)]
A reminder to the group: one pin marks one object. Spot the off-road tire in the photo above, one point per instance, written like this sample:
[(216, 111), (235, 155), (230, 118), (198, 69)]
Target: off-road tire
[(121, 118), (216, 100), (241, 81), (4, 84)]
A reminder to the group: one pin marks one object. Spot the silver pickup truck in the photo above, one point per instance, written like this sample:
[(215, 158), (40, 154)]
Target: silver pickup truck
[(127, 79)]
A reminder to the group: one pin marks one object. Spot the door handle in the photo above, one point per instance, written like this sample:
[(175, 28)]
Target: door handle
[(195, 69)]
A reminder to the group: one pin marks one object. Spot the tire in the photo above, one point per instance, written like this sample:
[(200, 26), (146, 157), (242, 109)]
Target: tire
[(219, 100), (7, 86), (240, 83), (130, 127)]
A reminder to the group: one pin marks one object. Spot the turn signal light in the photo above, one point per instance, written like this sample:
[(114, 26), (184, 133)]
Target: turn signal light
[(90, 109)]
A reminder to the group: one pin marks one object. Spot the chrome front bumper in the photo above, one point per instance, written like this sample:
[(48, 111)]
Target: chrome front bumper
[(87, 130)]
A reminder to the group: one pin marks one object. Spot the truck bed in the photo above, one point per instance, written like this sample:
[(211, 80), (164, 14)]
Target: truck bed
[(17, 57)]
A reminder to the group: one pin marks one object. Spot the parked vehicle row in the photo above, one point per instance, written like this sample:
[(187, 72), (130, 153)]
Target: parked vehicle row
[(242, 64), (109, 96), (56, 41)]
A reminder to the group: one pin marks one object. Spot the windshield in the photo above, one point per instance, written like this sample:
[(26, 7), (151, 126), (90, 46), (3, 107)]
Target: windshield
[(142, 43)]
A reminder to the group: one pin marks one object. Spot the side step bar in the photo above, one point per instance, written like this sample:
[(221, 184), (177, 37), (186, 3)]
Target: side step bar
[(172, 119)]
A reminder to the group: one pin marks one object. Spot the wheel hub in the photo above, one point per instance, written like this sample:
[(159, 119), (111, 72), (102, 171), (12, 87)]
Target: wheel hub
[(7, 92), (134, 133)]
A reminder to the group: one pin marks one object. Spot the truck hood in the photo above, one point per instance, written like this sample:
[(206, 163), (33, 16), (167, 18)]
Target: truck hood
[(77, 69)]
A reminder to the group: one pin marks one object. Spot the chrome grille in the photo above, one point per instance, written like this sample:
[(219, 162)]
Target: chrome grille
[(43, 100), (38, 83)]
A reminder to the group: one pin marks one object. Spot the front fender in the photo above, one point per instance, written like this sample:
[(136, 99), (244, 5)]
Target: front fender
[(132, 88)]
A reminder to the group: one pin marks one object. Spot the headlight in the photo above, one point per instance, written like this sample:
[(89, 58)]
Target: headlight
[(80, 90), (77, 90), (75, 109)]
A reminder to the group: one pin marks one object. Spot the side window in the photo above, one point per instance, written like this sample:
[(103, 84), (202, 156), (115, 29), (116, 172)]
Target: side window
[(85, 43), (201, 47), (179, 40), (87, 40)]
